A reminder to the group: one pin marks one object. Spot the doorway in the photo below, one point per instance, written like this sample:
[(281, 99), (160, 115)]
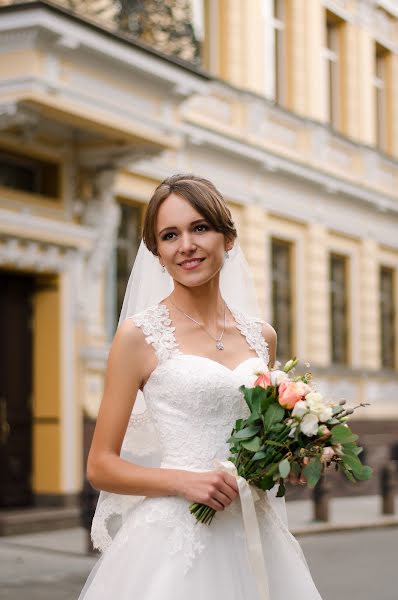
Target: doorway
[(16, 293)]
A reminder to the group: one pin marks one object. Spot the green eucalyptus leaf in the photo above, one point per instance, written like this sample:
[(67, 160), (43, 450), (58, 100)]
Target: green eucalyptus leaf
[(247, 432), (259, 455), (347, 473), (342, 435), (365, 474), (312, 472), (253, 444), (238, 424), (266, 483), (274, 414), (254, 417), (284, 468), (277, 427)]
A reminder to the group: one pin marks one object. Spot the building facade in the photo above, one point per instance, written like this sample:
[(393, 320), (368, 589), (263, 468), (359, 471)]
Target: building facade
[(289, 106)]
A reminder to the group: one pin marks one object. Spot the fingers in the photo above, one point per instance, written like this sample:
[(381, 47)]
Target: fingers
[(223, 490)]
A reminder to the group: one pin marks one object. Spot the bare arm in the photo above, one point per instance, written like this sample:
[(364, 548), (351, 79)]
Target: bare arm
[(130, 363), (106, 470), (270, 337)]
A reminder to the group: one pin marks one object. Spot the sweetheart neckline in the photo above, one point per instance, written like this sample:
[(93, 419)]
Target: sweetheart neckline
[(216, 362)]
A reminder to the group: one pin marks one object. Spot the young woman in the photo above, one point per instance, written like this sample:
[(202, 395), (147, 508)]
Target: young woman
[(187, 352)]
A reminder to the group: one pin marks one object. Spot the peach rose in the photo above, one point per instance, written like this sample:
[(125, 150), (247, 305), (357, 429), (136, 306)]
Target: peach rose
[(290, 393), (263, 380)]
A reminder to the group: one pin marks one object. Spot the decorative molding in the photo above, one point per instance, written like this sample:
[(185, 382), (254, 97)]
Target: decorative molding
[(24, 39), (29, 227), (12, 115), (263, 157), (56, 26), (33, 255)]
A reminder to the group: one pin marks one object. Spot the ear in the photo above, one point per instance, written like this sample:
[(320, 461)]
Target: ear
[(228, 244)]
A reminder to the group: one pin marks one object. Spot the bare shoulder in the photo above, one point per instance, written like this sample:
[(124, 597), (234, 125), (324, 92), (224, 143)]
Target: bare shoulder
[(269, 333), (130, 349)]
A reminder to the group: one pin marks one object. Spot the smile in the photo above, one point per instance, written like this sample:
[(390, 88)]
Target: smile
[(191, 264)]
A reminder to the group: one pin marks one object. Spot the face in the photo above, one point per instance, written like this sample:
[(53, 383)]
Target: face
[(188, 246)]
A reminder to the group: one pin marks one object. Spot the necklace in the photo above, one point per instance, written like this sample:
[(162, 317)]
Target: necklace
[(219, 343)]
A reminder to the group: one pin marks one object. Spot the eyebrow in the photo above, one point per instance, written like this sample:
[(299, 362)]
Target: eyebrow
[(175, 227)]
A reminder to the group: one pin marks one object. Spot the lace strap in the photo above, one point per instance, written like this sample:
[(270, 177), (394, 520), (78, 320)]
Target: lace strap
[(251, 328), (156, 326)]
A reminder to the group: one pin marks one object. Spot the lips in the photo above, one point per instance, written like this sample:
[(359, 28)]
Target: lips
[(191, 263)]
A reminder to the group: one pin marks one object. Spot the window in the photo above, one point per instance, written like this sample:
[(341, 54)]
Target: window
[(27, 174), (387, 317), (127, 243), (274, 12), (338, 309), (332, 69), (380, 85), (282, 296)]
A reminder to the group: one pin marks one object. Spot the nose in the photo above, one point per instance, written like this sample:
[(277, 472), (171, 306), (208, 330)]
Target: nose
[(187, 245)]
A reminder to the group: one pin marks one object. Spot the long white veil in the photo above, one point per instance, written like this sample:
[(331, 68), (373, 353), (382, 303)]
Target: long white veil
[(146, 287)]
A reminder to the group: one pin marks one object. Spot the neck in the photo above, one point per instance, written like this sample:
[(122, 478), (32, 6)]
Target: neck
[(203, 303)]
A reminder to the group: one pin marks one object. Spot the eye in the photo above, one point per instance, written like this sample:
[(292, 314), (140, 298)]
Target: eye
[(168, 235), (202, 227)]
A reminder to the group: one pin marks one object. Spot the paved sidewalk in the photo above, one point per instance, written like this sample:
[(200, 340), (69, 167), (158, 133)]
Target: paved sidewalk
[(361, 512), (346, 513)]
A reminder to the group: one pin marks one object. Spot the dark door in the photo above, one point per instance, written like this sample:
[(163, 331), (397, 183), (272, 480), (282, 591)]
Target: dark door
[(15, 389)]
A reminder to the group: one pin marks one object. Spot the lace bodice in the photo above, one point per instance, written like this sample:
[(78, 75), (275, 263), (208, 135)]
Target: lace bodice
[(193, 400), (192, 404)]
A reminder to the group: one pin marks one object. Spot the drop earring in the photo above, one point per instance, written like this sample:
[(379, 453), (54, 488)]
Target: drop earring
[(226, 254), (162, 268)]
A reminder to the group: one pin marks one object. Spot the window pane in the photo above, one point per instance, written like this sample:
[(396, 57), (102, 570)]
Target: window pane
[(282, 297), (333, 74), (380, 91), (27, 174), (387, 317), (127, 244), (339, 309)]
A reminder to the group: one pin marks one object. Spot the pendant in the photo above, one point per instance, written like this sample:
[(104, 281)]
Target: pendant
[(219, 345)]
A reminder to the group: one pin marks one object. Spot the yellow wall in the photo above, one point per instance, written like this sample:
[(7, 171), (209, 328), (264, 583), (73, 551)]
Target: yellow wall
[(46, 388)]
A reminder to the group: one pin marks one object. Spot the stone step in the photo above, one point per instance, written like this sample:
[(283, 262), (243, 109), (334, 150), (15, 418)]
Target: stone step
[(31, 520)]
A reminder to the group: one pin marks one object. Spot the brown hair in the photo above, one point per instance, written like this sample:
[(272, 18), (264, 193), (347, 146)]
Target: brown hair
[(201, 194)]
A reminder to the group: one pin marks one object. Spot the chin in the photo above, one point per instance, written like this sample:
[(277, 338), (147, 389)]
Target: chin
[(195, 279)]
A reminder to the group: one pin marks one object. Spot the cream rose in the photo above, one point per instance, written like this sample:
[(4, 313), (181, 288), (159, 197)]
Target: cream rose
[(309, 424)]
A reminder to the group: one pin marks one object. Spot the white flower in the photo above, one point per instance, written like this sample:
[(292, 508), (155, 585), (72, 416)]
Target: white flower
[(278, 376), (309, 424), (317, 405), (299, 408)]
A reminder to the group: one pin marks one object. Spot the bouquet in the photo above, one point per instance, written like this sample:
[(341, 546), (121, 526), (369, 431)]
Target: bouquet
[(291, 428)]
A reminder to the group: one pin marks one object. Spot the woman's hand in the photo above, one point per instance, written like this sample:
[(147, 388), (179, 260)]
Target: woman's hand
[(216, 489)]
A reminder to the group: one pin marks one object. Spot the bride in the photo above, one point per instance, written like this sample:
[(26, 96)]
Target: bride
[(187, 339)]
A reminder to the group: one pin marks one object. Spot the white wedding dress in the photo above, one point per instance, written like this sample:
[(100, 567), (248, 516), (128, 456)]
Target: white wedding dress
[(161, 552)]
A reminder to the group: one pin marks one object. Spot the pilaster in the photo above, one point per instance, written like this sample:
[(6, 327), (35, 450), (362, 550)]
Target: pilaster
[(392, 104), (317, 301), (304, 43), (231, 41), (348, 124), (369, 305), (365, 98)]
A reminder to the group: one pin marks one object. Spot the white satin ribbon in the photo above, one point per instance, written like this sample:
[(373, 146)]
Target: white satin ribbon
[(248, 496)]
